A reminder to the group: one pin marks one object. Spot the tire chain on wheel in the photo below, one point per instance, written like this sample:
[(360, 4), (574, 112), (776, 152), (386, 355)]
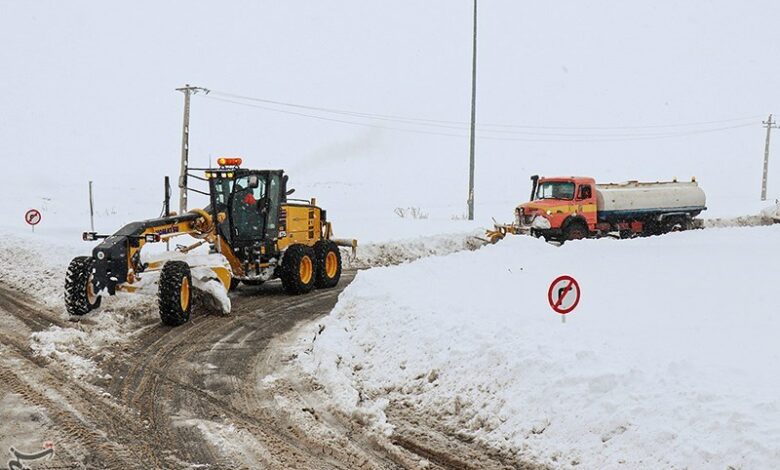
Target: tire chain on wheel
[(76, 279), (169, 295), (321, 250)]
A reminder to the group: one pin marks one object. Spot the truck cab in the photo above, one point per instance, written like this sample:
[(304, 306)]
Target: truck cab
[(562, 207)]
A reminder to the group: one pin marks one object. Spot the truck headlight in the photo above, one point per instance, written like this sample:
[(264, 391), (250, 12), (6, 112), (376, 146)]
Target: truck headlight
[(101, 255), (549, 212)]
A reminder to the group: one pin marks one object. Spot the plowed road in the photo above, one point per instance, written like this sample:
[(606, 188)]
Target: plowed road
[(170, 387)]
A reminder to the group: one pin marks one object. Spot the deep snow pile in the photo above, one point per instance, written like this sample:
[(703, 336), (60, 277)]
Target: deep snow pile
[(668, 362)]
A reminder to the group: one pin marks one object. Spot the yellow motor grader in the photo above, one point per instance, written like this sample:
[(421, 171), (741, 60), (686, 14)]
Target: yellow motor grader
[(259, 233)]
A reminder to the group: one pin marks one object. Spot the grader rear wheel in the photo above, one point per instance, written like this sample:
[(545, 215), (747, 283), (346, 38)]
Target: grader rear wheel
[(298, 269), (175, 294), (328, 264)]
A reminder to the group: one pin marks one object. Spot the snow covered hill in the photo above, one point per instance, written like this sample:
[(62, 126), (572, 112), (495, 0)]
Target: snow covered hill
[(669, 361)]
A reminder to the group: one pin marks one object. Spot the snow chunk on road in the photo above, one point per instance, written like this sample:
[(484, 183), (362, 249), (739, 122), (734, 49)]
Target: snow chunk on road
[(669, 360)]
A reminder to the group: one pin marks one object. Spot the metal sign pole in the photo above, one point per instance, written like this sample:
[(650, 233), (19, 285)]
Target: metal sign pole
[(91, 209)]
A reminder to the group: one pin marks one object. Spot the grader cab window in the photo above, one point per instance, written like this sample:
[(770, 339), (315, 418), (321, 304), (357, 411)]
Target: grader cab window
[(274, 197), (249, 195), (223, 188)]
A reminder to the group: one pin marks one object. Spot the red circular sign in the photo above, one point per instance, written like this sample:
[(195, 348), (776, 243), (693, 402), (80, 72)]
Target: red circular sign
[(32, 217), (564, 294)]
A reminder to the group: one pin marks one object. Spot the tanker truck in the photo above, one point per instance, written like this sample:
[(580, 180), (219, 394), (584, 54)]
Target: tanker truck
[(572, 207)]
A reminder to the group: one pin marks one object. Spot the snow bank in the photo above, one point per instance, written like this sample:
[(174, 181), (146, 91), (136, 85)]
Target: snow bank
[(772, 212), (668, 362), (35, 264), (394, 252), (766, 216)]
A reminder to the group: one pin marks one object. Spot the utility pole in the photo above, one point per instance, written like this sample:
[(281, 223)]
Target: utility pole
[(473, 115), (769, 124), (185, 144)]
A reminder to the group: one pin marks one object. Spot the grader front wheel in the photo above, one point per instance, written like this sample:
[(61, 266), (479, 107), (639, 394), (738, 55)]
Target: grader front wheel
[(175, 294), (80, 297)]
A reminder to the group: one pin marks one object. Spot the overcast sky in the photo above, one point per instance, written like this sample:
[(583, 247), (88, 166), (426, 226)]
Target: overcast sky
[(88, 93)]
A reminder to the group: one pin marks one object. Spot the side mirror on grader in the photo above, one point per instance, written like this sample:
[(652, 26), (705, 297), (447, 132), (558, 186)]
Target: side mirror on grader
[(274, 239)]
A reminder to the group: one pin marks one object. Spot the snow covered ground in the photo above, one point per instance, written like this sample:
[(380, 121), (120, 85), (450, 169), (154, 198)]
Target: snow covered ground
[(35, 263), (669, 361)]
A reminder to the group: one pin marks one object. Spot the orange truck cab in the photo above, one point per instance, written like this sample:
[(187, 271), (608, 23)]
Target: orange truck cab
[(560, 207)]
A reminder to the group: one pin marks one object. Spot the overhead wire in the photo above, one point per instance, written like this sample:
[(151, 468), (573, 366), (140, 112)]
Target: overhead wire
[(506, 129)]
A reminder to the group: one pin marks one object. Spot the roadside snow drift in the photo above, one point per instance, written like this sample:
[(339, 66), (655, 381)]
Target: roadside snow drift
[(669, 361)]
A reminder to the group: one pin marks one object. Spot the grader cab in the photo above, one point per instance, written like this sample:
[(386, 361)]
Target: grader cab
[(254, 231)]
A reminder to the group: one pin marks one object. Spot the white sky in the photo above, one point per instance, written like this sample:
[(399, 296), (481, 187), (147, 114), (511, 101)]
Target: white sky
[(88, 93)]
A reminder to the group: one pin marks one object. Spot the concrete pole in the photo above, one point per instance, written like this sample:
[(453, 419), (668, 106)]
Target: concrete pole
[(769, 124), (185, 144), (185, 150)]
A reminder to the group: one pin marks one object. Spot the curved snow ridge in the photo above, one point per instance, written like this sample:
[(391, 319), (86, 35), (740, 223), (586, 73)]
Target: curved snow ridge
[(667, 362), (768, 216), (403, 251)]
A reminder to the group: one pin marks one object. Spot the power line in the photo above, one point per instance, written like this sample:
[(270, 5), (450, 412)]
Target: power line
[(450, 124), (323, 118), (572, 138)]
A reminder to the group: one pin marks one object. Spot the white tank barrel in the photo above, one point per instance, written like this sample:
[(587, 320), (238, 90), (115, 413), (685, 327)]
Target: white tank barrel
[(635, 199)]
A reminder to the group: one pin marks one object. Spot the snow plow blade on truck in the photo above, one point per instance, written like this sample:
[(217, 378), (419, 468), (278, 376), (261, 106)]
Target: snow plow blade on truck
[(254, 232), (570, 208)]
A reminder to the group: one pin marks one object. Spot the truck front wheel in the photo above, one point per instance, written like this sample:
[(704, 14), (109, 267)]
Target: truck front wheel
[(575, 231)]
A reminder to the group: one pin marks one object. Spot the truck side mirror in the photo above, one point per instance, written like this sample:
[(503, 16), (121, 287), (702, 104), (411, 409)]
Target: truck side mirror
[(254, 181)]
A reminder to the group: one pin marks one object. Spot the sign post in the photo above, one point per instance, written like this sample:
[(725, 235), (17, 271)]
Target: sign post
[(91, 209), (33, 218), (564, 295)]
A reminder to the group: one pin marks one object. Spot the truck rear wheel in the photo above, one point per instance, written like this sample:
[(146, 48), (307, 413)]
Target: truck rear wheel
[(576, 230), (80, 297), (328, 264), (298, 270), (175, 293)]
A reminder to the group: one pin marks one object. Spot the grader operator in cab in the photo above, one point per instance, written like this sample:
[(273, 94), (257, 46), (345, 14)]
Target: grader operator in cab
[(259, 233)]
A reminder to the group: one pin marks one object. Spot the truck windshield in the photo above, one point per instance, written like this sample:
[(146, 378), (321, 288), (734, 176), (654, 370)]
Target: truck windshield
[(555, 190)]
